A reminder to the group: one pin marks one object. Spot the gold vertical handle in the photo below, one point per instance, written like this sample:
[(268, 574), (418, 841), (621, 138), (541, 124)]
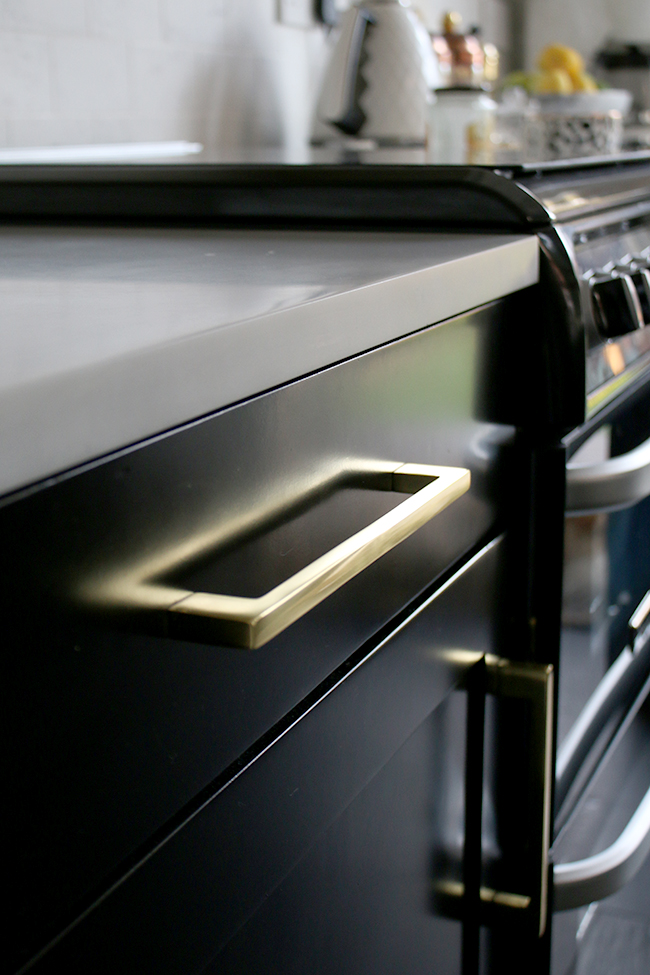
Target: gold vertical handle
[(534, 683), (531, 682)]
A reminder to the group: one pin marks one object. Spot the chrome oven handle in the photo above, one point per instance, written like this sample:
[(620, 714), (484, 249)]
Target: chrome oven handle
[(638, 619), (585, 881), (621, 682), (615, 483)]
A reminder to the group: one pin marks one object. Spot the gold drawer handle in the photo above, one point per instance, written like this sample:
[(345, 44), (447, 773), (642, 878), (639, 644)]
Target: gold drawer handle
[(532, 682), (250, 623)]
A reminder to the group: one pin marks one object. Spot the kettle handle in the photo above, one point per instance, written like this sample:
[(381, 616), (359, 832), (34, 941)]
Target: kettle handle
[(352, 115)]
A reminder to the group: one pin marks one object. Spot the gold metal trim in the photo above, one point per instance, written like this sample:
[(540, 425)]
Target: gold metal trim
[(533, 682), (252, 622), (138, 594), (456, 890)]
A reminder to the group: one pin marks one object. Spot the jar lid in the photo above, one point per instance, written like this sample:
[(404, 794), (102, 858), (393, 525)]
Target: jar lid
[(462, 90)]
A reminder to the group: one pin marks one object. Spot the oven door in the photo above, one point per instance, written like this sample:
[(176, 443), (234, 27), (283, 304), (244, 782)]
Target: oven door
[(604, 674)]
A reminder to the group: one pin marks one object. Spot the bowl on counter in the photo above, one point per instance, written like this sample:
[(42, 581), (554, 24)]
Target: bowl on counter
[(584, 103), (581, 124)]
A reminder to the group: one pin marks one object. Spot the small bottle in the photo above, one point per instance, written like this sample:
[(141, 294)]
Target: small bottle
[(467, 53)]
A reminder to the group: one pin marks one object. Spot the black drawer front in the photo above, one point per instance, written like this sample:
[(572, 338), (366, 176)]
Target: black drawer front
[(358, 805), (120, 728)]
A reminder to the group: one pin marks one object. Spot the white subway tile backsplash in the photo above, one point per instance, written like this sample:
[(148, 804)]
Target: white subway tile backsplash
[(26, 88), (135, 21), (166, 129), (44, 16), (580, 24), (89, 77), (221, 72), (297, 55), (248, 27), (245, 109), (49, 132), (495, 23), (167, 82), (199, 22), (106, 130)]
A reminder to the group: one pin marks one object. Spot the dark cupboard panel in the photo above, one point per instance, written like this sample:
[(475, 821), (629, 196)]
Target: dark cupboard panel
[(375, 768), (363, 898)]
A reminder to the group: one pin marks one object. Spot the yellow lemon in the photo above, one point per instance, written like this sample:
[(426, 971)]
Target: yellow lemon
[(563, 57), (554, 82), (584, 82)]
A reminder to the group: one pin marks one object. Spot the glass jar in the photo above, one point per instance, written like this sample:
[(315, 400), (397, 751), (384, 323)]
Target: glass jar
[(461, 123)]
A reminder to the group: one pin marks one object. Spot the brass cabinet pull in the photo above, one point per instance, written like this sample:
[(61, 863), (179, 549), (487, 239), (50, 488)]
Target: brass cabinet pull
[(252, 622), (141, 593), (534, 683)]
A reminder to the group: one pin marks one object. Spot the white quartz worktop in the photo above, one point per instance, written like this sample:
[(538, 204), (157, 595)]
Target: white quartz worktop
[(110, 336)]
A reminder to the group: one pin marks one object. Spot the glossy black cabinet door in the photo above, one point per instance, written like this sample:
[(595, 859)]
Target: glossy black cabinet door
[(363, 898), (326, 851), (115, 727)]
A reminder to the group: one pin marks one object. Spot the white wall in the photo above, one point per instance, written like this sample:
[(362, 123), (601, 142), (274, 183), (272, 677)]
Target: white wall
[(221, 72), (584, 24), (218, 71)]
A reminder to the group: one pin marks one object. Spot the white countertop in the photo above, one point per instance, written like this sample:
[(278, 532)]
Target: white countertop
[(110, 336)]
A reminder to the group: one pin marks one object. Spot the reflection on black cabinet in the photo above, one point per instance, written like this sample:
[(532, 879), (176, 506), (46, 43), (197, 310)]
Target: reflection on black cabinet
[(352, 804), (361, 899)]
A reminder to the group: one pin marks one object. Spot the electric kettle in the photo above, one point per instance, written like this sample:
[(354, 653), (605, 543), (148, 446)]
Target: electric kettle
[(379, 78)]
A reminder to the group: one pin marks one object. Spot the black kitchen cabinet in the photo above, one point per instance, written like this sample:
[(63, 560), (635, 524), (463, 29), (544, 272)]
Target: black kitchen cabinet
[(157, 780)]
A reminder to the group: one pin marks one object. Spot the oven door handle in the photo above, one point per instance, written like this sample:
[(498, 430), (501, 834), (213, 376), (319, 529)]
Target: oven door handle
[(615, 483), (623, 679), (585, 881)]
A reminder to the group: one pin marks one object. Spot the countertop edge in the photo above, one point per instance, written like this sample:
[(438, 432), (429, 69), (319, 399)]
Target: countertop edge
[(52, 426)]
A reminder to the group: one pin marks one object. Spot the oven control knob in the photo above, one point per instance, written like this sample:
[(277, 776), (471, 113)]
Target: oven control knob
[(615, 302), (638, 269)]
